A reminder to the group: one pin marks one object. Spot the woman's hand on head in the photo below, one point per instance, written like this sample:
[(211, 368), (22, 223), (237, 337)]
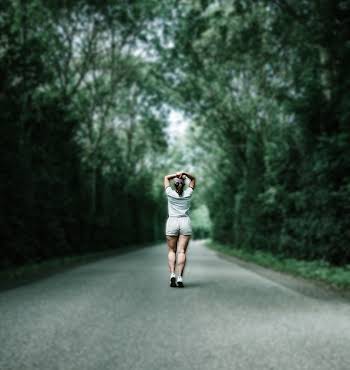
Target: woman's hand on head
[(179, 174)]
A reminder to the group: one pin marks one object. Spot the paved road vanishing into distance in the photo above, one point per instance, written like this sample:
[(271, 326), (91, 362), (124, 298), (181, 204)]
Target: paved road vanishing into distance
[(120, 313)]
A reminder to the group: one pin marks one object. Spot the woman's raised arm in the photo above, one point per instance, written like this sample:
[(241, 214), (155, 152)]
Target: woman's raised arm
[(167, 179), (192, 178)]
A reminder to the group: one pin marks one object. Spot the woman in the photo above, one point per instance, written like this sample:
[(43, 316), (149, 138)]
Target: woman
[(178, 226)]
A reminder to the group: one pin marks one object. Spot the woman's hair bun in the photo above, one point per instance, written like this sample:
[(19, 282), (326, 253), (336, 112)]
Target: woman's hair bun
[(178, 181)]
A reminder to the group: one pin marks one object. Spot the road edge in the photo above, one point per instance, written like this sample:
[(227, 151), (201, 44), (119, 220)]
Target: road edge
[(26, 274), (308, 287)]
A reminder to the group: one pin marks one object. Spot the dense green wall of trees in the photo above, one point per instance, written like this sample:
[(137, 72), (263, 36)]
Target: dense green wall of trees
[(267, 85), (85, 91), (77, 135)]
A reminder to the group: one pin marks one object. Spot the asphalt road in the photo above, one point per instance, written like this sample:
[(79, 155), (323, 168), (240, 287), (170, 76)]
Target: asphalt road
[(120, 313)]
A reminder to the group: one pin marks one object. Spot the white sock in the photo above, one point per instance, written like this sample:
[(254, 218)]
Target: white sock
[(172, 274), (179, 278)]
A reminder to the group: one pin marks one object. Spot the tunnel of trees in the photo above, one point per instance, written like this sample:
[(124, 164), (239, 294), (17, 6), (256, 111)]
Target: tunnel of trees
[(86, 88)]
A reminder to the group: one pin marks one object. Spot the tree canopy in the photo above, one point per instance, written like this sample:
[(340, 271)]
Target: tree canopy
[(85, 93)]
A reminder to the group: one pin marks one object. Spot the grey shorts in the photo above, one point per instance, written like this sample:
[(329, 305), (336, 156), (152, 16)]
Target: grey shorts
[(178, 226)]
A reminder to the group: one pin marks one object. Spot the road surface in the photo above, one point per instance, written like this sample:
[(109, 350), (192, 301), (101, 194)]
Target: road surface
[(120, 313)]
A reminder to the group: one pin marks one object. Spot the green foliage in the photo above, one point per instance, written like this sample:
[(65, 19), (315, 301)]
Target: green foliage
[(77, 130), (320, 270), (266, 85), (85, 90), (201, 223)]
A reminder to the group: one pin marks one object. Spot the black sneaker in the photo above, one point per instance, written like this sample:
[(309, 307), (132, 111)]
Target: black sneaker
[(173, 282)]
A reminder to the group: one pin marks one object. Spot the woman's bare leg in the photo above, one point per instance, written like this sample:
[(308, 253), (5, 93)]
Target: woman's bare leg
[(182, 245), (172, 247)]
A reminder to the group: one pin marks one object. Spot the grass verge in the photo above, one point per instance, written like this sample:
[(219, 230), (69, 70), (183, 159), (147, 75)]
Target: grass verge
[(17, 275), (336, 277)]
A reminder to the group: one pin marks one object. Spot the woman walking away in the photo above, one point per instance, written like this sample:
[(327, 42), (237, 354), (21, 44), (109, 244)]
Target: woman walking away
[(178, 226)]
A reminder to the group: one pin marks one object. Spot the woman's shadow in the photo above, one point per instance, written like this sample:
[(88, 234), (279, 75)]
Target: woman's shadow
[(198, 284)]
